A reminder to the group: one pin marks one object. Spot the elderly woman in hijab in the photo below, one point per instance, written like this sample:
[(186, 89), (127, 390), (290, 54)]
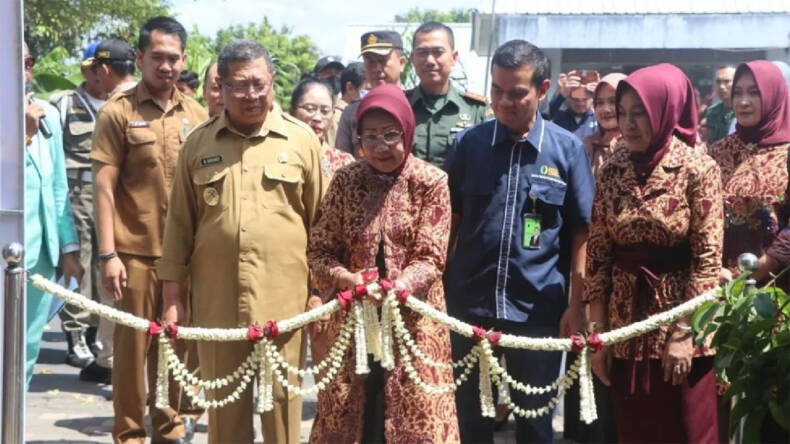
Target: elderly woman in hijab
[(389, 212), (603, 142), (753, 164), (655, 242)]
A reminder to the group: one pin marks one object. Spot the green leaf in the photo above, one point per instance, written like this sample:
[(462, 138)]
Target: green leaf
[(764, 306), (752, 425), (724, 360), (742, 407), (700, 314), (780, 413)]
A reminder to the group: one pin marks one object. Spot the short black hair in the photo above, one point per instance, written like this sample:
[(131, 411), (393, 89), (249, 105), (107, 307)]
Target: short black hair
[(305, 84), (190, 77), (205, 74), (726, 66), (431, 27), (162, 24), (519, 53), (354, 73), (242, 51), (121, 68)]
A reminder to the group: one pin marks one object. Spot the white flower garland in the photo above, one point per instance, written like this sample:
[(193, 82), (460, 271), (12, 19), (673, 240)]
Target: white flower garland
[(373, 335)]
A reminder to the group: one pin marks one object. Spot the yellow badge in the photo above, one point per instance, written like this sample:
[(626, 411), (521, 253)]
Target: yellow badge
[(372, 39), (211, 196)]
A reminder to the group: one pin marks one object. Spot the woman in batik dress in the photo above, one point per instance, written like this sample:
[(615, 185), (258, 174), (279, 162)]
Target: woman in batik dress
[(389, 212)]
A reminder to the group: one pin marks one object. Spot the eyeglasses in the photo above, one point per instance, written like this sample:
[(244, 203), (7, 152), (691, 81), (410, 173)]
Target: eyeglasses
[(30, 62), (310, 109), (242, 89), (389, 138)]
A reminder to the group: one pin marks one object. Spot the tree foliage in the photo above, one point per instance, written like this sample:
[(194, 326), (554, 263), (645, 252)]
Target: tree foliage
[(417, 15), (71, 24)]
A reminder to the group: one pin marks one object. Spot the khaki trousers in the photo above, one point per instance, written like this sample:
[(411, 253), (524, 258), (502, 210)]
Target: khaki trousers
[(135, 360), (233, 423)]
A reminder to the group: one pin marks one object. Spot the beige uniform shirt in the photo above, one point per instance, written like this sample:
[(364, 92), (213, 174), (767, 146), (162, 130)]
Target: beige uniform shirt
[(239, 219), (134, 134)]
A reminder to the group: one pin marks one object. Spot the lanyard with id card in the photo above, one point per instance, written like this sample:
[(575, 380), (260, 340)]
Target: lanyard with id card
[(532, 227)]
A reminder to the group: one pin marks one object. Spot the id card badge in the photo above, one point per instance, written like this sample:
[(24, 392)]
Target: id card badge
[(531, 238)]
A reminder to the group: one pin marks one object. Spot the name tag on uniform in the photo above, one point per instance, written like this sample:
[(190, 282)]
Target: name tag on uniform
[(211, 160), (532, 228), (139, 124)]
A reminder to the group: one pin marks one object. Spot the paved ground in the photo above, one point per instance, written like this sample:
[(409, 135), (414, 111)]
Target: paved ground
[(63, 409)]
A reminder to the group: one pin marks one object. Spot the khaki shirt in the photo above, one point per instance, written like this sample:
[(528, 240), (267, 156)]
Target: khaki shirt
[(134, 134), (239, 218)]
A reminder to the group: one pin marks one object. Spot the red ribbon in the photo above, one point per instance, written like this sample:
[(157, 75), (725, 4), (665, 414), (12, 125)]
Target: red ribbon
[(386, 285), (345, 298), (254, 333), (492, 336), (402, 295), (360, 291), (370, 276), (172, 330), (595, 342), (154, 328), (271, 329), (577, 342)]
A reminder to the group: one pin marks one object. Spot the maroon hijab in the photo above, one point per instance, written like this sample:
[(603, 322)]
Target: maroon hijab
[(392, 100), (668, 97), (774, 126)]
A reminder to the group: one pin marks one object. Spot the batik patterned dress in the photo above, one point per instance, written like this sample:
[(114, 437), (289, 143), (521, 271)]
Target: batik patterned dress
[(679, 205), (407, 217), (754, 182)]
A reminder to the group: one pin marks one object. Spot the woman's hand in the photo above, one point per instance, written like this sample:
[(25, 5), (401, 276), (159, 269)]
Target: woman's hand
[(346, 280), (318, 326), (678, 352)]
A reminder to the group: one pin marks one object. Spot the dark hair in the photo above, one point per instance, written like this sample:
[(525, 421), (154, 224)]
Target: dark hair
[(726, 66), (242, 51), (205, 74), (121, 68), (165, 25), (431, 27), (519, 53), (190, 77), (304, 85), (354, 73)]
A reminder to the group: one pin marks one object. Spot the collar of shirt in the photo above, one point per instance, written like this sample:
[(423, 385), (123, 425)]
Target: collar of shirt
[(144, 94), (274, 123), (533, 139), (453, 96), (672, 159)]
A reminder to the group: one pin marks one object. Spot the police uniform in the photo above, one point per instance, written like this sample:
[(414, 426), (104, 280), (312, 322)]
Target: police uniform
[(78, 111), (237, 228), (440, 118), (143, 141)]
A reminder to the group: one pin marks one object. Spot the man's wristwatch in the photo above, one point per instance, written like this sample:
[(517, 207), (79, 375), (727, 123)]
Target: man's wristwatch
[(104, 257)]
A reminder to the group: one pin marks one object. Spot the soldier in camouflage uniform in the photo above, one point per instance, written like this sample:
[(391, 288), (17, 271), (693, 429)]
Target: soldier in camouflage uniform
[(440, 109)]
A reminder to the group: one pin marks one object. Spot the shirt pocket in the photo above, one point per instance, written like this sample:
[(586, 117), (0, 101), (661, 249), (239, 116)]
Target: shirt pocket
[(548, 197), (142, 148), (282, 185), (478, 195), (212, 188)]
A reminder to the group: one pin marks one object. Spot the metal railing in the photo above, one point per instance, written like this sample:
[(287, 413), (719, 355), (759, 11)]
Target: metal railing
[(13, 346)]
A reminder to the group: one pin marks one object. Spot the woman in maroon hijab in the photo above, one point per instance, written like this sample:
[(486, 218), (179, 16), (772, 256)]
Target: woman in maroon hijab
[(389, 212), (655, 242)]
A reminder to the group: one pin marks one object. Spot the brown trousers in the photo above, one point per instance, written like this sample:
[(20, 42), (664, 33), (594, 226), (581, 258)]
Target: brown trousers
[(233, 423), (135, 361)]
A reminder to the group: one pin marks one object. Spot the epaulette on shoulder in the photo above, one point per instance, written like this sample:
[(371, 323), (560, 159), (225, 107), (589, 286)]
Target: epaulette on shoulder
[(481, 99)]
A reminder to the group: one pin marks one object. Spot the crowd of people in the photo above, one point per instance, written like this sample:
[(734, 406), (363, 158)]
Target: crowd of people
[(530, 215)]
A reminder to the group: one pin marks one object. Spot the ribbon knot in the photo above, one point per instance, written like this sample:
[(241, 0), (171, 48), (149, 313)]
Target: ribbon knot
[(402, 295), (386, 285), (492, 336), (345, 298), (370, 276), (593, 342), (360, 291), (172, 330), (154, 328), (577, 342), (254, 333), (271, 330)]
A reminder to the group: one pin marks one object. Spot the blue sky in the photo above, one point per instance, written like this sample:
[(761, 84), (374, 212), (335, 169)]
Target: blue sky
[(323, 20)]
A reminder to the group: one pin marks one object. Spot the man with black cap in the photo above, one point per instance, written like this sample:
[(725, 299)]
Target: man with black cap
[(115, 66), (382, 54), (77, 109), (328, 67)]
